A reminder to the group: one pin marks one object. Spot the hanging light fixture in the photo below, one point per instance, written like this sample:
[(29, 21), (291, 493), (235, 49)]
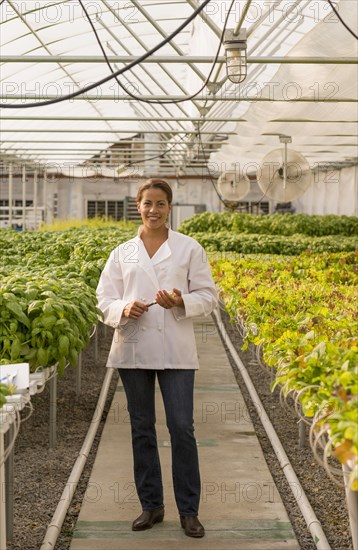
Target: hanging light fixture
[(235, 54)]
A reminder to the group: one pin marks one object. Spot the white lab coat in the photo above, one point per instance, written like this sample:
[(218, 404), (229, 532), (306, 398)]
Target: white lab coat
[(161, 338)]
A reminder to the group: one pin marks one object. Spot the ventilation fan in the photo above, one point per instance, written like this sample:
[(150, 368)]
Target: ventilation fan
[(284, 174), (233, 185)]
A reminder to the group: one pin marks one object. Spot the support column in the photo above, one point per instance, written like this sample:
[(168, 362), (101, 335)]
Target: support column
[(9, 484), (79, 375), (23, 197), (2, 495), (352, 505), (35, 199), (45, 195), (53, 410), (10, 193)]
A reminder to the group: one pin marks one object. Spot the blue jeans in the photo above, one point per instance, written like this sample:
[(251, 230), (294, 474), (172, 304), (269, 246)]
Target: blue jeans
[(177, 388)]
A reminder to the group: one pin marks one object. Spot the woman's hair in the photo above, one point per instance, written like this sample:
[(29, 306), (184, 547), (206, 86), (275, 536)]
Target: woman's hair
[(155, 183)]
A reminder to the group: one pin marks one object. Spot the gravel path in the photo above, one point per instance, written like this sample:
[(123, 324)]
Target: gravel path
[(41, 474)]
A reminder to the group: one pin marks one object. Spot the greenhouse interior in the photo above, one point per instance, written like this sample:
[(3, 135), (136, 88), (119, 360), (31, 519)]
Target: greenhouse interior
[(83, 157), (248, 109)]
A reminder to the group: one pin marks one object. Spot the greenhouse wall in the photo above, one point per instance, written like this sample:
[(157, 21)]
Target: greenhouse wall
[(63, 197), (333, 192)]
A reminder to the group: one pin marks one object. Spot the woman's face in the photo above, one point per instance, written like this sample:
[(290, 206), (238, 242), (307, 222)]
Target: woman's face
[(154, 208)]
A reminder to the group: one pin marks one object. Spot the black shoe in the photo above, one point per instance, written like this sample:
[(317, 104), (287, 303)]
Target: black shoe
[(147, 519), (192, 526)]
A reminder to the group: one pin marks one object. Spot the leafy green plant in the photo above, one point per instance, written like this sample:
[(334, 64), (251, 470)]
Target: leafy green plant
[(257, 243), (5, 390), (301, 312), (47, 292), (271, 224)]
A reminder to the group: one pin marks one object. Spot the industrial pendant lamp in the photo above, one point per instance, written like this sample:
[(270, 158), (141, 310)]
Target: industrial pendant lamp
[(235, 54)]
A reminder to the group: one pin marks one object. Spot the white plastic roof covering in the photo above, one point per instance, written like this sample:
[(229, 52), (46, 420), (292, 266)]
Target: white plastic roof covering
[(324, 132), (73, 131)]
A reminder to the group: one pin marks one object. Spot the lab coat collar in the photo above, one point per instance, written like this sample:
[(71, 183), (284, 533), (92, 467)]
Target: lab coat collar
[(162, 254)]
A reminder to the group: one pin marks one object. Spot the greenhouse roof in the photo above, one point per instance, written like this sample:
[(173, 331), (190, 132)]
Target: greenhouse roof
[(301, 81)]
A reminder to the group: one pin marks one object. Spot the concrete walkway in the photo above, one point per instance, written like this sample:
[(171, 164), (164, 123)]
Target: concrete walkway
[(240, 505)]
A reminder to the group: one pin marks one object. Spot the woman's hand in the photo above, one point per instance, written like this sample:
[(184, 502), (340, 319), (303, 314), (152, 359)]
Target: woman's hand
[(134, 310), (169, 299)]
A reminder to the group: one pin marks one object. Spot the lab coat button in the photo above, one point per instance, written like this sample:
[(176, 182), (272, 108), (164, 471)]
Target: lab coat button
[(143, 328), (159, 328)]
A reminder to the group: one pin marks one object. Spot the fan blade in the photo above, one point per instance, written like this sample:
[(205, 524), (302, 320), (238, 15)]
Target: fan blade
[(233, 186), (271, 180)]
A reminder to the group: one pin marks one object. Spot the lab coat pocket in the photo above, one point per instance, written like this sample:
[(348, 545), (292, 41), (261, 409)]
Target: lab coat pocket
[(127, 333), (181, 279)]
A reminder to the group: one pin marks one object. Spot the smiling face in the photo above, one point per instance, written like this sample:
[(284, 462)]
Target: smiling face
[(154, 208)]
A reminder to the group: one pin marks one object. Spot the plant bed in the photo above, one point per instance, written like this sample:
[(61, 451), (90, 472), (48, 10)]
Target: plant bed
[(326, 498), (40, 474)]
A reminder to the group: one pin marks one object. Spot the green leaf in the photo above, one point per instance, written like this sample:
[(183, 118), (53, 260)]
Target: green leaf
[(18, 313), (63, 345), (15, 349)]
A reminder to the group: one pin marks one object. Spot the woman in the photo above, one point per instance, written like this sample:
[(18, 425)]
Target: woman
[(149, 290)]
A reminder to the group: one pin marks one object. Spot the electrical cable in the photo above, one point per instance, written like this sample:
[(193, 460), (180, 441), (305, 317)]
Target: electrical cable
[(341, 20), (121, 85), (138, 98), (265, 193), (158, 101), (117, 73), (212, 179)]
